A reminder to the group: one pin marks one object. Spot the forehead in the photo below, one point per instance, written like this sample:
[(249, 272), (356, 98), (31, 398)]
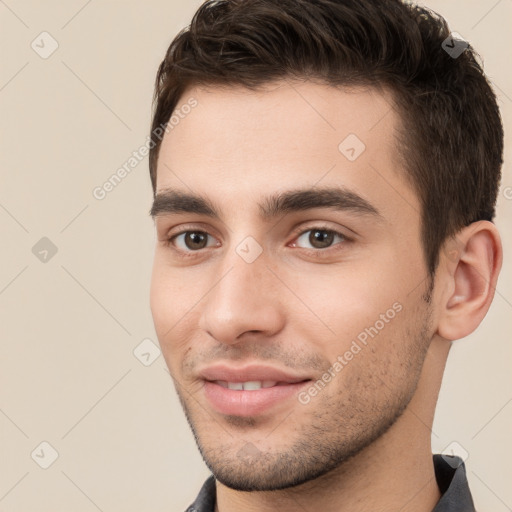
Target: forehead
[(248, 143)]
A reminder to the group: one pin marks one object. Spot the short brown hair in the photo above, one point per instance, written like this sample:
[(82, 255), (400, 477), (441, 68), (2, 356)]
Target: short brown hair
[(451, 140)]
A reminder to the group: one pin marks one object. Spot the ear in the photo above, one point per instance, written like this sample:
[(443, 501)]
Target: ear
[(469, 267)]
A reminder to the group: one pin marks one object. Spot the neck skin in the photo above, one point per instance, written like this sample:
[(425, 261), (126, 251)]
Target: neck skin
[(395, 472)]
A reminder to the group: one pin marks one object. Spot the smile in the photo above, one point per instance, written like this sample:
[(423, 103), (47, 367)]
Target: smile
[(250, 385)]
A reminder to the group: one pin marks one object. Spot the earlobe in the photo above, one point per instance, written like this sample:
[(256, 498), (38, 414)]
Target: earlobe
[(472, 273)]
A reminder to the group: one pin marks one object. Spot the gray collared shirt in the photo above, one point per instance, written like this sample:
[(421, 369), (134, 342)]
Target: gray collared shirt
[(450, 475)]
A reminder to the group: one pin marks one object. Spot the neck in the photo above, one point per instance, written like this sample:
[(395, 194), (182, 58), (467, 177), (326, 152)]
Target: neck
[(395, 472)]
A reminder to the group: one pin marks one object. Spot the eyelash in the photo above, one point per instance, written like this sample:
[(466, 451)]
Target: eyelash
[(297, 234)]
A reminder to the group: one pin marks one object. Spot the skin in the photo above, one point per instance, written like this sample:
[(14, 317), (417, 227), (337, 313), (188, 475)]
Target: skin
[(299, 307)]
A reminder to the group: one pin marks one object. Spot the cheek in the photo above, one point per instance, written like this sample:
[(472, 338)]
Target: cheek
[(348, 302), (171, 301), (375, 368), (161, 297)]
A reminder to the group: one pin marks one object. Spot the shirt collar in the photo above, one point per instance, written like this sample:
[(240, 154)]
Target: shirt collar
[(453, 484)]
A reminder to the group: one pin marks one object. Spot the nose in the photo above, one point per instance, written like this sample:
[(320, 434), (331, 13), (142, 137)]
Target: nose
[(246, 299)]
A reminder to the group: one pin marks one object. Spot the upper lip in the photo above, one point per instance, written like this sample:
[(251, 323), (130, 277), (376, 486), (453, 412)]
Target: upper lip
[(253, 372)]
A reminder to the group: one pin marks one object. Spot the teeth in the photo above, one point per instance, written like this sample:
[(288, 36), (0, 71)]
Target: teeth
[(251, 385)]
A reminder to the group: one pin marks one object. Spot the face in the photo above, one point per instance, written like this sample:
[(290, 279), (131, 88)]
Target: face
[(288, 288)]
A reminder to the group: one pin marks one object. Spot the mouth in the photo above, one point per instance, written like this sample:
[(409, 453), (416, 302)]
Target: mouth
[(250, 390), (250, 385)]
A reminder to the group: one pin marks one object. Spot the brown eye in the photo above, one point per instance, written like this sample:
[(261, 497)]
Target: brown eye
[(196, 240), (319, 238), (191, 240)]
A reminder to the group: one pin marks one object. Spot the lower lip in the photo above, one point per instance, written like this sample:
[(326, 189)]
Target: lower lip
[(249, 403)]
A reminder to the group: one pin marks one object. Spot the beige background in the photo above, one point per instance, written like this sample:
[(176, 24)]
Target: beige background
[(69, 326)]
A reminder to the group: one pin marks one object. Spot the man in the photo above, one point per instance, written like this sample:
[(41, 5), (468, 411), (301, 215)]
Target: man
[(325, 176)]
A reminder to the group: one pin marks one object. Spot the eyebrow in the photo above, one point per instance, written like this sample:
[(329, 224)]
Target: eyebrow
[(170, 201)]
